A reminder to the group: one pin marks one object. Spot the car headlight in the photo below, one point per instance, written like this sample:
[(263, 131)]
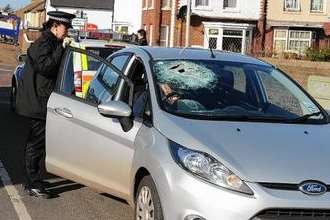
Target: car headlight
[(207, 168)]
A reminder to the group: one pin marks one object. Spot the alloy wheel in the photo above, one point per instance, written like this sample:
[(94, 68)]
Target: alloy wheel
[(145, 209)]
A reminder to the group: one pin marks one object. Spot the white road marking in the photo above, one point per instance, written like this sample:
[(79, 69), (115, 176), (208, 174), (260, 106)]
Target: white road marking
[(6, 70), (13, 194)]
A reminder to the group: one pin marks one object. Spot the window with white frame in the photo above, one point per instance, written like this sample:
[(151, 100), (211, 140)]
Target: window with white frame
[(292, 40), (228, 4), (150, 4), (164, 36), (166, 4), (201, 3), (291, 5), (280, 40), (317, 5), (299, 41)]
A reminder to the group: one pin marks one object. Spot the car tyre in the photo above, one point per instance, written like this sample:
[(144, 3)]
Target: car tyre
[(13, 93), (147, 202)]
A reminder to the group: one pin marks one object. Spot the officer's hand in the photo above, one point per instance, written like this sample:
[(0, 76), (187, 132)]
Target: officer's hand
[(67, 41)]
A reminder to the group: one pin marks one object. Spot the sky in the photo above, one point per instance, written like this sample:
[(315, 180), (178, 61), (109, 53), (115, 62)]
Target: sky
[(16, 4)]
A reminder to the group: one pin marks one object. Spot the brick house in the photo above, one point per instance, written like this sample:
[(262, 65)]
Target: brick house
[(156, 18), (295, 25), (233, 25)]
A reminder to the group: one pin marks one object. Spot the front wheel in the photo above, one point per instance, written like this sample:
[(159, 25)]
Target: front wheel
[(147, 202)]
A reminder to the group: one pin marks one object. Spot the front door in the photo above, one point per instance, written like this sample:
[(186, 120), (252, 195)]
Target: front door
[(81, 144)]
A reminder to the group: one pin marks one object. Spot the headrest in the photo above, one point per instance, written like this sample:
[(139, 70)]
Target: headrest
[(227, 78)]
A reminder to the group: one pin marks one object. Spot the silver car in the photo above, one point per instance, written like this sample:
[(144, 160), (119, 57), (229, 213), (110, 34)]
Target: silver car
[(191, 134)]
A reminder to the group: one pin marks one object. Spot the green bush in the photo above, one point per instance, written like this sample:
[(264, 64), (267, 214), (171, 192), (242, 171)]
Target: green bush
[(318, 55)]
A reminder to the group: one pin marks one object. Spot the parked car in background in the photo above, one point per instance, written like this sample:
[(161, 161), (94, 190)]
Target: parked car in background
[(191, 134), (100, 48)]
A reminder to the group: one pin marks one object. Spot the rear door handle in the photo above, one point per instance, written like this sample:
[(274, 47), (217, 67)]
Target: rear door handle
[(64, 112)]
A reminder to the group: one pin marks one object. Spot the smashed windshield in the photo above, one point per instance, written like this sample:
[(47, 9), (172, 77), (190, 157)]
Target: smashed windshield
[(216, 89)]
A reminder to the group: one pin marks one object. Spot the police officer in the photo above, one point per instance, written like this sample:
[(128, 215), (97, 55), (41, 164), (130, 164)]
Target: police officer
[(142, 38), (37, 83)]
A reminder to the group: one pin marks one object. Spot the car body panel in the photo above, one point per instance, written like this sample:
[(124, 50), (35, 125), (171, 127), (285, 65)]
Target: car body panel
[(253, 150), (89, 144)]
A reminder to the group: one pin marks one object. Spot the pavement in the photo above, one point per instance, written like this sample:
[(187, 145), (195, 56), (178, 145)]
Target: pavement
[(74, 201)]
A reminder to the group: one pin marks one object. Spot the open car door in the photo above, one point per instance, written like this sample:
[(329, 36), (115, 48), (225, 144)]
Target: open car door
[(81, 144)]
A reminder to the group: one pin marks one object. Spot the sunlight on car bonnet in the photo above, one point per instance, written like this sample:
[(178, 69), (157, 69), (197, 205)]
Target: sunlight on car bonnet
[(185, 75)]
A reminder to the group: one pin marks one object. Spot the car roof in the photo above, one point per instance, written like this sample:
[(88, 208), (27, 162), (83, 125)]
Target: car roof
[(162, 53), (101, 43)]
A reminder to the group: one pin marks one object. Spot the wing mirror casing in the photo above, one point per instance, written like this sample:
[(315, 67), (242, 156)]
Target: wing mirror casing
[(115, 109), (120, 110)]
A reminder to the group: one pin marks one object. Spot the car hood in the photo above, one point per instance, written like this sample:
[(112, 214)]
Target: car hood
[(257, 152)]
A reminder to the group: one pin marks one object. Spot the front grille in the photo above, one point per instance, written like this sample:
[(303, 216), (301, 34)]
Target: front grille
[(293, 214), (284, 186)]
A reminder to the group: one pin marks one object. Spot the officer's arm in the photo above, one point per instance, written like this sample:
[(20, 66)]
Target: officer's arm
[(45, 59)]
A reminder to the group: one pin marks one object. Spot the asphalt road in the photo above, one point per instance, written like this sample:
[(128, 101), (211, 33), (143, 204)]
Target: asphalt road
[(74, 201)]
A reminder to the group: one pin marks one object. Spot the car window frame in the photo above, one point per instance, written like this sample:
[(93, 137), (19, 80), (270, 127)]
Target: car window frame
[(147, 120), (110, 58), (118, 54), (61, 74)]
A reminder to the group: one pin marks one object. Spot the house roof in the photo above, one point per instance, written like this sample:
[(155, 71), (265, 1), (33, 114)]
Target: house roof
[(38, 5), (88, 4)]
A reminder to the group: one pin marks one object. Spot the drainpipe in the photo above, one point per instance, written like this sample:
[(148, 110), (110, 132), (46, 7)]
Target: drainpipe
[(262, 26), (160, 22), (187, 43), (173, 22)]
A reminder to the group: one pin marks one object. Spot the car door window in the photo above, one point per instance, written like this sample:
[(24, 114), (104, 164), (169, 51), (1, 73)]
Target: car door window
[(137, 74), (88, 78), (120, 61), (104, 86), (79, 71)]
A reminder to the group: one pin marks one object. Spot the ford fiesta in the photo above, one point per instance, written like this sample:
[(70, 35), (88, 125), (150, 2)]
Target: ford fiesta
[(191, 135)]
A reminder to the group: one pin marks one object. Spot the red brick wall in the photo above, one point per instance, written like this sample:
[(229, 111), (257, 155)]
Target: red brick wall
[(269, 41), (156, 17), (152, 17), (196, 35)]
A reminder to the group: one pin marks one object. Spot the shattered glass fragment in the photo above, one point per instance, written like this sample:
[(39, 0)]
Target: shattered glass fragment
[(185, 74)]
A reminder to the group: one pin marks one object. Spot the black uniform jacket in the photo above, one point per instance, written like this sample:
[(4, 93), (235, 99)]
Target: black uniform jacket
[(39, 76), (142, 42)]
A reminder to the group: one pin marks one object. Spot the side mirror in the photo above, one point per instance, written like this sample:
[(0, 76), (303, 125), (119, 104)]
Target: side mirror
[(120, 110), (328, 110), (21, 58), (115, 109)]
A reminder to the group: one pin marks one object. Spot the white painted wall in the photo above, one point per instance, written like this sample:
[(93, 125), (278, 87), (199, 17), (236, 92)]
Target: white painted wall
[(129, 12), (247, 9), (102, 18)]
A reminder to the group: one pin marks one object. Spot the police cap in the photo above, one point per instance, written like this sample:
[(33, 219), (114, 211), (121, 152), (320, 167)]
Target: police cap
[(61, 16)]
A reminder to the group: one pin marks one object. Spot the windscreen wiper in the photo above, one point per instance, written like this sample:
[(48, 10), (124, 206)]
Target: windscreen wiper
[(306, 117), (246, 117)]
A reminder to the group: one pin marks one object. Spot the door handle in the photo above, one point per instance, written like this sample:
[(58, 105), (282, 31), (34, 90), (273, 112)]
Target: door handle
[(64, 112)]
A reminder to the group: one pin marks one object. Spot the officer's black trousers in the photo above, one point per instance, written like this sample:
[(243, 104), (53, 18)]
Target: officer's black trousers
[(35, 154)]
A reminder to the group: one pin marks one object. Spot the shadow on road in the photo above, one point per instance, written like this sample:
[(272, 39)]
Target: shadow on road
[(62, 186)]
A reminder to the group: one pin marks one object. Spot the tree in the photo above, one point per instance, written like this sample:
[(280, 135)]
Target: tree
[(8, 9)]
